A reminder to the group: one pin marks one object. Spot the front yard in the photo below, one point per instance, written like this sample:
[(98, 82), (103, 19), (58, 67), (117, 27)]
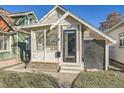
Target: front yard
[(102, 79)]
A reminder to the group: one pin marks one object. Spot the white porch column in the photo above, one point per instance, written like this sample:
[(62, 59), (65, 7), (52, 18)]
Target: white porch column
[(44, 45), (106, 57), (32, 44), (10, 45), (80, 33), (77, 45), (59, 43)]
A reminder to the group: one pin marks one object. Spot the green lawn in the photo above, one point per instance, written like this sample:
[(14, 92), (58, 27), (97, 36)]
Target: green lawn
[(101, 79), (26, 80)]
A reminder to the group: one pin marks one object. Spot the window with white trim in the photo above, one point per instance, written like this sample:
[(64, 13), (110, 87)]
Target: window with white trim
[(39, 36), (52, 40), (4, 42), (121, 40)]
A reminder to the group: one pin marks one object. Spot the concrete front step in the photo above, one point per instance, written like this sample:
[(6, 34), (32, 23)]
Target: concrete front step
[(70, 68), (71, 64), (44, 66), (69, 71)]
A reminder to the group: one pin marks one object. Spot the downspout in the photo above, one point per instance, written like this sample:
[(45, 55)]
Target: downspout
[(107, 55)]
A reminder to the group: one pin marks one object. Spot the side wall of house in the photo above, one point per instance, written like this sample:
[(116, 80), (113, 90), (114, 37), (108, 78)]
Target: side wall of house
[(5, 55), (116, 52), (11, 54), (18, 47)]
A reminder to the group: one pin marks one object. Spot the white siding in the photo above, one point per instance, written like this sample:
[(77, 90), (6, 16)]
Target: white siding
[(53, 17), (117, 53)]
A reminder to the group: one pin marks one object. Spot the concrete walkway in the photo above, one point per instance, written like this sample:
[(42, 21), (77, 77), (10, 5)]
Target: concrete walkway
[(65, 79), (8, 63)]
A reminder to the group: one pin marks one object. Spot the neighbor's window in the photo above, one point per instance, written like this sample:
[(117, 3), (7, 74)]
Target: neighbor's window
[(121, 40), (4, 42), (39, 36)]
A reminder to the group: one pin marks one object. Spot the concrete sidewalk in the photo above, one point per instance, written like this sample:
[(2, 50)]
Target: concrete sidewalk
[(8, 63)]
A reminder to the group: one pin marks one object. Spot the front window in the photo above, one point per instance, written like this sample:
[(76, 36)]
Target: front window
[(4, 42), (52, 40), (39, 36), (121, 40)]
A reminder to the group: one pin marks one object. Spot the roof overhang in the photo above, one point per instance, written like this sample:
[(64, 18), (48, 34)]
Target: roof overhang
[(7, 22), (36, 26), (7, 33)]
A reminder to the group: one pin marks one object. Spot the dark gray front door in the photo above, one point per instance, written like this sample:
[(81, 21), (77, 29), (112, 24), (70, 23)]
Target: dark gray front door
[(94, 54), (69, 46)]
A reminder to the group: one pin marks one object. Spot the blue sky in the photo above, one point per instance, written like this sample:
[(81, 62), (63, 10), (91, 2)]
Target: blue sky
[(94, 14)]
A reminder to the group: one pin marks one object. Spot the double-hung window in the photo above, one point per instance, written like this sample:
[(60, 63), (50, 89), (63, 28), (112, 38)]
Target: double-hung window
[(4, 42), (121, 40)]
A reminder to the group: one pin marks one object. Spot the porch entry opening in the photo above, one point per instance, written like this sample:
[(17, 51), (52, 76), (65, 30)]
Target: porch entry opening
[(69, 46)]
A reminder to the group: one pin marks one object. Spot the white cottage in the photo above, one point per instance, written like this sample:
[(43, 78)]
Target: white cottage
[(68, 41)]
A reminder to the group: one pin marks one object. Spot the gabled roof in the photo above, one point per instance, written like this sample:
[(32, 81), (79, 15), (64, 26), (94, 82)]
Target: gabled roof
[(83, 22), (68, 13), (6, 19), (54, 8), (5, 15), (23, 14), (111, 29)]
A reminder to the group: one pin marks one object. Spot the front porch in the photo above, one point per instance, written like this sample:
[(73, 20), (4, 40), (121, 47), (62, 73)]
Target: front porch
[(60, 45), (68, 47)]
